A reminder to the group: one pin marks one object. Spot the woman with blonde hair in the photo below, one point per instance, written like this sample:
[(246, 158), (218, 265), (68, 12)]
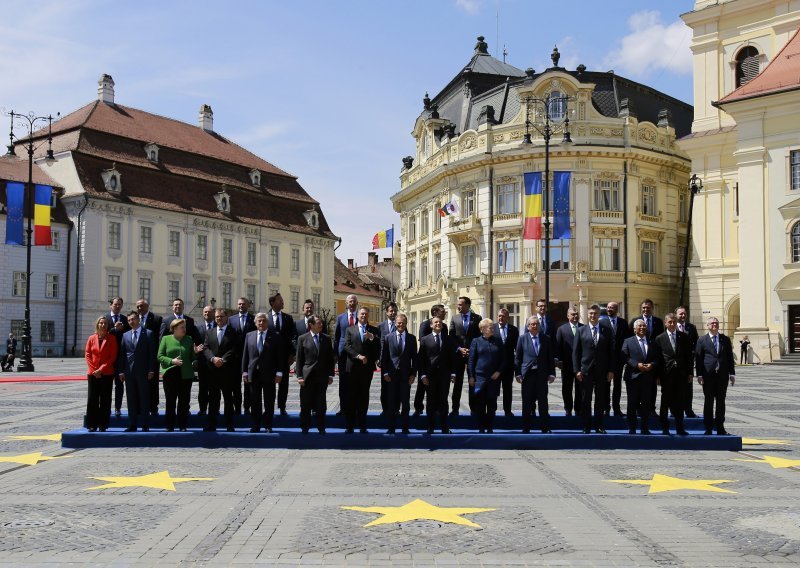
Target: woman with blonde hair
[(175, 354), (484, 366), (101, 359)]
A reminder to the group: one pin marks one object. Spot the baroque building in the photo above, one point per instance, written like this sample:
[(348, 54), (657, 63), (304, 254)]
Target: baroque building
[(163, 209), (745, 265), (628, 193)]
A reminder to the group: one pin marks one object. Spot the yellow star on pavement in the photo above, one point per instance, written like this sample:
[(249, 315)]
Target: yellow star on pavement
[(43, 437), (764, 442), (29, 459), (418, 510), (661, 483), (160, 480), (774, 461)]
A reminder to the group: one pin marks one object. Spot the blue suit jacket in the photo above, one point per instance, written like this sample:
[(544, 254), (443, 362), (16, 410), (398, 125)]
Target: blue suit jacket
[(399, 365), (263, 366), (527, 358), (342, 323), (136, 361), (707, 359), (632, 353)]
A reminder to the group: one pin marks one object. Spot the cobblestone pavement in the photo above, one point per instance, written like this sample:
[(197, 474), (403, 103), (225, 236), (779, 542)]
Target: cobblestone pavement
[(285, 507)]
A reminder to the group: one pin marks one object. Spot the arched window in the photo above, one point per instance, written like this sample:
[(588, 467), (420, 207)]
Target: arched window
[(746, 65), (557, 106), (796, 242)]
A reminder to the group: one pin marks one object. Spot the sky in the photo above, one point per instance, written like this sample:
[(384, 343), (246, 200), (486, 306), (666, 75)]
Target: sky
[(326, 90)]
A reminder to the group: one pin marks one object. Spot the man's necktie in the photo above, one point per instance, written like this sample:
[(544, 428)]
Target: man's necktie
[(316, 341), (391, 326), (211, 325), (649, 326), (536, 344), (219, 335), (614, 325), (362, 332), (503, 333), (716, 344), (574, 330), (643, 345), (544, 325), (594, 335), (400, 341), (465, 319), (243, 320), (438, 341), (672, 340), (683, 329), (307, 326), (260, 341), (134, 338), (352, 319)]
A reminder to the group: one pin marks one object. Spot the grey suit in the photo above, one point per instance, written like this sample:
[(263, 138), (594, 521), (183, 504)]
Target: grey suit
[(135, 361)]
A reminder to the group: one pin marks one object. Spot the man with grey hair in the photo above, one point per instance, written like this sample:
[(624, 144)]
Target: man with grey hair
[(262, 369), (344, 320), (715, 366), (642, 359), (676, 371)]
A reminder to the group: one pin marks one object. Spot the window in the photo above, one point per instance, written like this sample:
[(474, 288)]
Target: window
[(316, 297), (273, 257), (606, 254), (683, 207), (507, 199), (794, 165), (468, 203), (48, 331), (112, 286), (795, 243), (468, 260), (295, 260), (649, 257), (252, 292), (412, 322), (227, 251), (424, 224), (55, 241), (251, 254), (202, 247), (648, 205), (437, 264), (423, 270), (559, 254), (437, 221), (606, 195), (412, 228), (513, 312), (146, 240), (114, 235), (412, 273), (16, 329), (200, 290), (18, 288), (51, 286), (746, 65), (507, 256), (295, 301), (174, 243), (173, 289), (557, 106), (227, 294), (316, 263), (144, 288)]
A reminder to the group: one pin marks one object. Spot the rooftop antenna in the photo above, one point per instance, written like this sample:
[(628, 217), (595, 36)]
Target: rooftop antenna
[(505, 52), (497, 32)]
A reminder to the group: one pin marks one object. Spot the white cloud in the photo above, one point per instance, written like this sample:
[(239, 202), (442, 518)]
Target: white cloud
[(469, 6), (652, 46)]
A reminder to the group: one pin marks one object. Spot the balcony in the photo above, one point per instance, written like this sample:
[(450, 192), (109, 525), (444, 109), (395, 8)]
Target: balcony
[(465, 230), (518, 277), (647, 278), (608, 217), (606, 276), (650, 218), (504, 220)]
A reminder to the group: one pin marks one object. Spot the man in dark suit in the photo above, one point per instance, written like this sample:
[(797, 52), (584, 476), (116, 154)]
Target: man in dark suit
[(435, 369), (715, 366), (508, 334), (642, 359), (207, 326), (535, 368), (398, 369), (118, 325), (546, 324), (301, 325), (152, 322), (242, 323), (593, 361), (655, 327), (620, 331), (437, 311), (262, 360), (676, 367), (690, 330), (463, 329), (386, 327), (224, 370), (137, 366), (314, 366), (565, 338), (362, 346), (343, 321), (283, 325), (11, 351)]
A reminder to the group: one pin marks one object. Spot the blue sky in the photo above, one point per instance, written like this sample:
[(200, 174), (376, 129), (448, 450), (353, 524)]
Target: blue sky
[(326, 90)]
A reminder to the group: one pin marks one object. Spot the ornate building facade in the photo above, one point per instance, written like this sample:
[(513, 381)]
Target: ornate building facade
[(628, 196), (744, 146)]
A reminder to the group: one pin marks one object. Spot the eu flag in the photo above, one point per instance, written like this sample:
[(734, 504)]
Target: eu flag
[(561, 228), (15, 201)]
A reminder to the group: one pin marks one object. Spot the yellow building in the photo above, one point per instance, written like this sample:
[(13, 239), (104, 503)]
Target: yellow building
[(744, 145), (628, 196)]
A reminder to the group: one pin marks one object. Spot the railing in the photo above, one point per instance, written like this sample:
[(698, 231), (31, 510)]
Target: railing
[(606, 276)]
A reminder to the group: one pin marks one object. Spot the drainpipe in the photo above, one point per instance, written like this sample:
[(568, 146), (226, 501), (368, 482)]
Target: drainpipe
[(79, 240)]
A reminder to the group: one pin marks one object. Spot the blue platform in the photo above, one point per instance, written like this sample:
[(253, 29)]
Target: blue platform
[(567, 434)]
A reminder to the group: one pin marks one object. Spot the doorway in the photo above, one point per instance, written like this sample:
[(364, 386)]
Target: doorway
[(794, 328)]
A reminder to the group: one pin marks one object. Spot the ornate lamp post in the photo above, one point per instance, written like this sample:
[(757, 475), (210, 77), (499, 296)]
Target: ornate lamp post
[(695, 185), (29, 122), (550, 116)]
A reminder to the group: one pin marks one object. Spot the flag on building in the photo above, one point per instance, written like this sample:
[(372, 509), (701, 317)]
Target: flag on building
[(448, 209), (532, 206), (41, 216), (15, 202), (384, 239), (561, 228)]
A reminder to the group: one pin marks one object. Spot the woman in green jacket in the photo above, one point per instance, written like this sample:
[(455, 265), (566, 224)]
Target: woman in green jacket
[(175, 354)]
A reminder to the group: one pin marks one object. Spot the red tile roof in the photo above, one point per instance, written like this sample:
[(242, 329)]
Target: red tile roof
[(14, 168), (781, 75), (346, 281)]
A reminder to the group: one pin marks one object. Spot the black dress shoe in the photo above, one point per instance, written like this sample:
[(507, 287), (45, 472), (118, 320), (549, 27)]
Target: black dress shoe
[(690, 414), (349, 431), (708, 432), (268, 430), (340, 413), (283, 412), (322, 431), (117, 413), (255, 430), (600, 431), (587, 431), (430, 431), (145, 429), (231, 429), (546, 431), (364, 431), (130, 429), (631, 430), (169, 429), (417, 413), (201, 413), (92, 429), (454, 413), (390, 432), (646, 432), (209, 429), (509, 414), (102, 429), (722, 432), (182, 429), (567, 413), (620, 414), (526, 430), (481, 431), (447, 431), (665, 431), (683, 433), (305, 430)]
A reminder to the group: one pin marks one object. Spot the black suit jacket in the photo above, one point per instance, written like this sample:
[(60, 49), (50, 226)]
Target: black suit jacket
[(300, 327), (435, 362), (353, 347), (676, 363), (657, 326), (563, 347), (425, 329), (399, 364), (261, 367), (549, 329), (191, 329), (632, 352), (707, 359), (287, 336), (623, 331), (589, 358), (153, 323), (112, 328), (463, 337), (509, 347), (227, 349), (314, 364)]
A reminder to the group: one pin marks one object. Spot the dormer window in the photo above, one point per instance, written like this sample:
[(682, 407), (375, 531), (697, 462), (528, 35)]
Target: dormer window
[(312, 218), (255, 177), (112, 180), (223, 202), (151, 151), (747, 65)]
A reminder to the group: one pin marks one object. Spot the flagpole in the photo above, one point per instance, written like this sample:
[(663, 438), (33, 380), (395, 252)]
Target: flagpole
[(394, 295)]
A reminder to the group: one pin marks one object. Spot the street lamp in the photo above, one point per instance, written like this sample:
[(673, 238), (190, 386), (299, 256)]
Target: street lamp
[(695, 185), (550, 116), (28, 122)]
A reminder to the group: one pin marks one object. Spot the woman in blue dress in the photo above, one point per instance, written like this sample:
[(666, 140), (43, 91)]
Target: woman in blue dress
[(485, 364)]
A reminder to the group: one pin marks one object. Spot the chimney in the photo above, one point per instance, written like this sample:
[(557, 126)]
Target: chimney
[(350, 263), (105, 89), (206, 119), (373, 258)]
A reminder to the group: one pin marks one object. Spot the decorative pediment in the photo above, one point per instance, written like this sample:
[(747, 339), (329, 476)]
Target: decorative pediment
[(112, 180), (223, 200), (255, 177), (650, 234), (151, 151), (312, 218)]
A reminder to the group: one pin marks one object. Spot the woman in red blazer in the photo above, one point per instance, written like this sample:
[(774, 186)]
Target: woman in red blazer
[(101, 358)]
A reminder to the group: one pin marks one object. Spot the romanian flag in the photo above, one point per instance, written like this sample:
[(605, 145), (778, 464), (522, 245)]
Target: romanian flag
[(384, 239), (532, 206), (41, 216)]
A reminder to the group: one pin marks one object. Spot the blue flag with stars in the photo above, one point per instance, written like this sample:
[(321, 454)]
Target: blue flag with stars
[(561, 228)]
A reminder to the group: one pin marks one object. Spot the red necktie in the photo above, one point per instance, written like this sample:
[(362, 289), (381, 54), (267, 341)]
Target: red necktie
[(352, 321)]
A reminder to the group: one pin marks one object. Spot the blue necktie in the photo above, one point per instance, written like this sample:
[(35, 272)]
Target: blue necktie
[(260, 341), (536, 344), (316, 341)]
